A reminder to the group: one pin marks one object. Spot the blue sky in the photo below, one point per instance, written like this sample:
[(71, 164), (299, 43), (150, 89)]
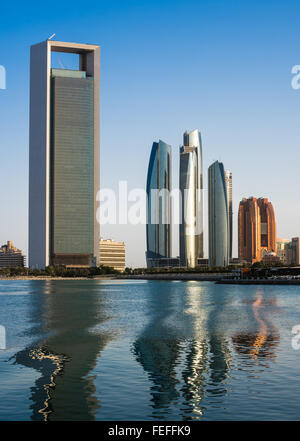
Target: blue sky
[(167, 66)]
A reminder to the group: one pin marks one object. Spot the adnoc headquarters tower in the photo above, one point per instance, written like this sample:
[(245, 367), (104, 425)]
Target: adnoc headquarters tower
[(64, 157)]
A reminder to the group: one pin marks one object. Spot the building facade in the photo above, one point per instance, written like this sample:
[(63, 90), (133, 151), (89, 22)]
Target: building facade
[(256, 229), (228, 182), (283, 250), (170, 262), (64, 158), (158, 227), (289, 251), (112, 254), (191, 190), (10, 256), (294, 251), (218, 219)]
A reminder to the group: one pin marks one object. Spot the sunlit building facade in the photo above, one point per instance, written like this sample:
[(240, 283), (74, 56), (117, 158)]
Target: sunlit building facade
[(218, 219), (256, 229), (64, 155), (191, 189), (228, 182), (289, 251), (158, 228), (112, 254), (11, 256)]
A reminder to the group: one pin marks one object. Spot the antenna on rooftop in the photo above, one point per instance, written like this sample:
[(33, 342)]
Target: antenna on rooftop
[(53, 35)]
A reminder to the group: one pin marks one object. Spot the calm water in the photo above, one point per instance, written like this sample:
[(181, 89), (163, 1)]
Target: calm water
[(148, 350)]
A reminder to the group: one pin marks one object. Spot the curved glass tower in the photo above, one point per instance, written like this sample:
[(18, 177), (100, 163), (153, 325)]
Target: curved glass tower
[(218, 218), (191, 187), (158, 229), (228, 182)]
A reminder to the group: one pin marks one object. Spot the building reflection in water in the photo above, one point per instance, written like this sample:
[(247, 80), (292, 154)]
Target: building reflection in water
[(182, 349), (68, 350), (260, 342)]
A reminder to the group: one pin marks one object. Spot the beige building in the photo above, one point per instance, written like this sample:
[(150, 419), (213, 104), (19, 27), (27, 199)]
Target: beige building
[(112, 254), (289, 250), (282, 250), (10, 256)]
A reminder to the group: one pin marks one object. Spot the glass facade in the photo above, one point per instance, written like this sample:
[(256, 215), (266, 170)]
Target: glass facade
[(72, 165), (191, 187), (218, 218), (158, 229), (228, 181)]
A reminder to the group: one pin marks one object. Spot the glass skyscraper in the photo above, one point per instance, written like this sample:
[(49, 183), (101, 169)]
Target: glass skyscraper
[(218, 219), (228, 182), (191, 188), (64, 157), (158, 229)]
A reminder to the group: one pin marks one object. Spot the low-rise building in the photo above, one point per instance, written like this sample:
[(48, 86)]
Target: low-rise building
[(112, 254), (270, 259), (10, 256), (163, 262)]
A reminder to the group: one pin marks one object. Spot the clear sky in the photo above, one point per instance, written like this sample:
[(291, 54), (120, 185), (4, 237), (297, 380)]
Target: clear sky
[(167, 66)]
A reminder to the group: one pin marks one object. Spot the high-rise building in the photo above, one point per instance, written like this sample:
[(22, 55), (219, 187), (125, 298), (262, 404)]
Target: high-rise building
[(112, 254), (283, 250), (289, 251), (218, 219), (228, 182), (64, 157), (256, 229), (158, 228), (191, 188), (10, 256), (294, 251)]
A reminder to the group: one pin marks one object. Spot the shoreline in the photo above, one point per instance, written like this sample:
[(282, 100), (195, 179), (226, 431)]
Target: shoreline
[(204, 277), (55, 278), (216, 278)]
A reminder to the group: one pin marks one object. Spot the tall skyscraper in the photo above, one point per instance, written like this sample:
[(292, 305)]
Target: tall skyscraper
[(256, 229), (191, 188), (64, 157), (158, 229), (228, 182), (218, 219)]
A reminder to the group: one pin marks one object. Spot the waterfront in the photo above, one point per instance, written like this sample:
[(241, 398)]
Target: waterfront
[(148, 350)]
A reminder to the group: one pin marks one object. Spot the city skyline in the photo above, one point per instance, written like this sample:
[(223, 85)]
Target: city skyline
[(238, 116)]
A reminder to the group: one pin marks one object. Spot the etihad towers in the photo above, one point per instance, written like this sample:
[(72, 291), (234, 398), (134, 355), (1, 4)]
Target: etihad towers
[(218, 219), (64, 157), (191, 188), (228, 183), (158, 228)]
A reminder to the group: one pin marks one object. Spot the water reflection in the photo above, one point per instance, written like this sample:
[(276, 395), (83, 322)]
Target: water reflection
[(260, 342), (183, 348), (68, 350)]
